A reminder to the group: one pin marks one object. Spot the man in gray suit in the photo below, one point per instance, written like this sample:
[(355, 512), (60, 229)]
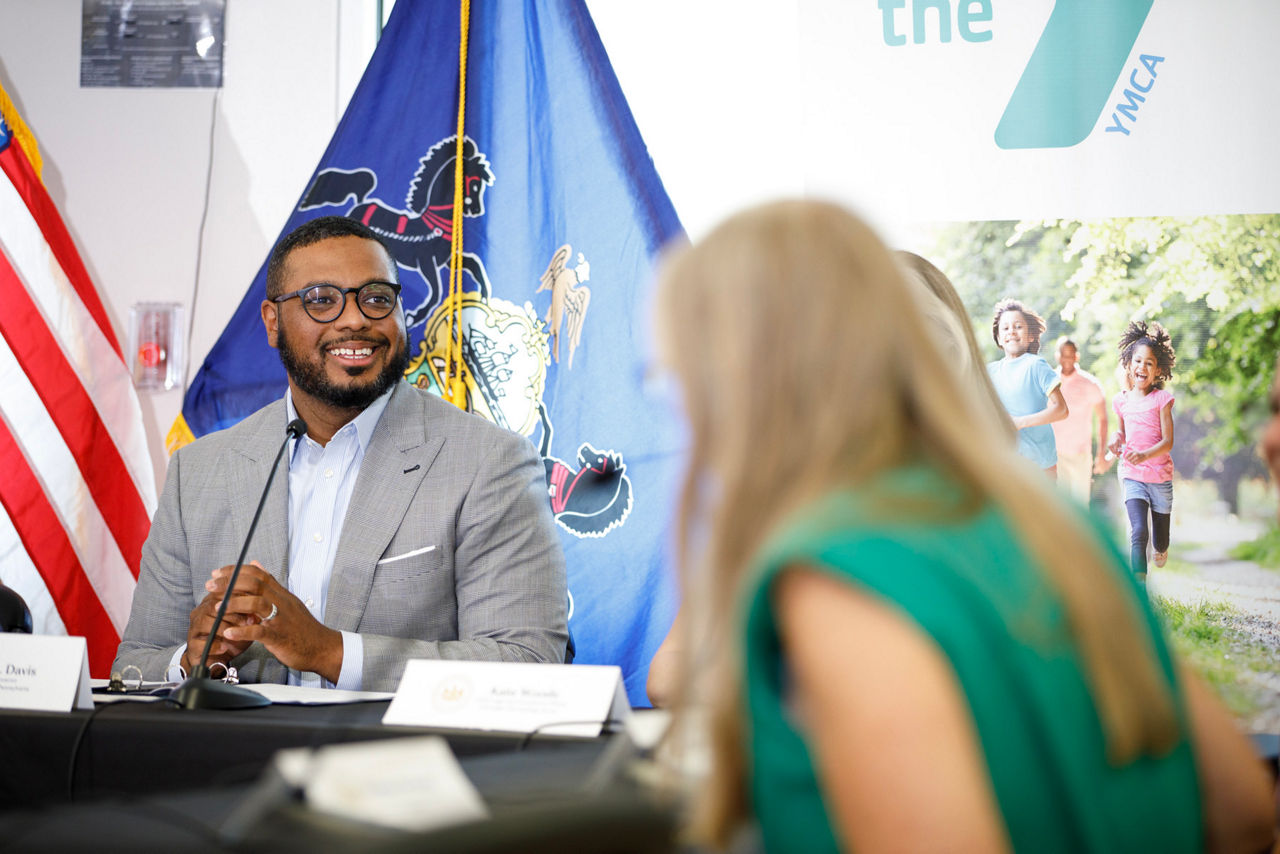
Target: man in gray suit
[(405, 528)]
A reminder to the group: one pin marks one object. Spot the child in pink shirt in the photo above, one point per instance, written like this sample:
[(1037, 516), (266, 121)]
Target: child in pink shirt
[(1144, 440)]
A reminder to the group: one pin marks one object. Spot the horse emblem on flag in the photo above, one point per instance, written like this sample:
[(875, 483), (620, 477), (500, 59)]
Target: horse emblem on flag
[(507, 348), (418, 235)]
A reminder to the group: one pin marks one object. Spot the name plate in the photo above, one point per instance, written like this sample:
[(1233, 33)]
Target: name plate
[(413, 784), (48, 673), (553, 699)]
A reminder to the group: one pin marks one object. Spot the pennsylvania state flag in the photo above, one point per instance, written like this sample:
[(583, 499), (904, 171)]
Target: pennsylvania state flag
[(563, 214)]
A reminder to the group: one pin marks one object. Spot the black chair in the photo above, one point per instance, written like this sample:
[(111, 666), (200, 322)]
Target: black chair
[(15, 616)]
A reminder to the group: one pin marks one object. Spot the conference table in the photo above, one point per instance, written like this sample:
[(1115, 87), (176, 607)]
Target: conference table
[(132, 776), (135, 748)]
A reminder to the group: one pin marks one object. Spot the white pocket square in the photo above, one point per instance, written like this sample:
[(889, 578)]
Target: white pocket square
[(413, 553)]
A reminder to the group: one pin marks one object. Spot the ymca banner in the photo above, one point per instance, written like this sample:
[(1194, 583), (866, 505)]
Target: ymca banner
[(1103, 161), (949, 110), (563, 214), (77, 489)]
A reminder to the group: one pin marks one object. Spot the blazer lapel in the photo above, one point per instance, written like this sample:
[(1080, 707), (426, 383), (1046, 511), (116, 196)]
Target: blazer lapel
[(251, 467), (394, 464)]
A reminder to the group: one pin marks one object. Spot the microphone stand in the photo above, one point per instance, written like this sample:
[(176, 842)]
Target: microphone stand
[(199, 691)]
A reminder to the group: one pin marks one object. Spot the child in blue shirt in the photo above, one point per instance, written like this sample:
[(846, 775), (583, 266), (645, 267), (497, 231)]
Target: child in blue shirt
[(1027, 386)]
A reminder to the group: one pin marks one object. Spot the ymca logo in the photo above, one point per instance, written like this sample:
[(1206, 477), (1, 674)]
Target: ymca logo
[(1067, 81), (1066, 84)]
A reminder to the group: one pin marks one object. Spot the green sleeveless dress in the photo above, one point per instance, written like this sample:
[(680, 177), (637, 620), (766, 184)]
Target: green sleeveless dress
[(956, 571)]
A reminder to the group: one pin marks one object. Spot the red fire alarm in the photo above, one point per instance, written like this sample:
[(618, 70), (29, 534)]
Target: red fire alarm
[(156, 335)]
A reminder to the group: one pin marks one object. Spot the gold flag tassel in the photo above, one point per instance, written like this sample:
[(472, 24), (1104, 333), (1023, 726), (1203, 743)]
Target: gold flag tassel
[(455, 388), (21, 133)]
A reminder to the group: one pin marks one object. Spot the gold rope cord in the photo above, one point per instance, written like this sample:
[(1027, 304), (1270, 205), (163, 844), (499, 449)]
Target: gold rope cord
[(455, 389)]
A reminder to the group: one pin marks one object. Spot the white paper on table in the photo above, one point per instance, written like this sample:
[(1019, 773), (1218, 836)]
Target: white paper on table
[(133, 687), (299, 695), (554, 699), (648, 726), (411, 783), (132, 697)]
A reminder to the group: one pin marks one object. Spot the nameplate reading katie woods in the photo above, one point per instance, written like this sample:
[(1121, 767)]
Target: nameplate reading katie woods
[(44, 672), (549, 699)]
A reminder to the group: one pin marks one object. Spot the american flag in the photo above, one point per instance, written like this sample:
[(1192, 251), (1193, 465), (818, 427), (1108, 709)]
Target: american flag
[(76, 483)]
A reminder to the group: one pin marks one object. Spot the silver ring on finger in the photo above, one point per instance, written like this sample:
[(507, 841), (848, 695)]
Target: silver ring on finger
[(272, 615)]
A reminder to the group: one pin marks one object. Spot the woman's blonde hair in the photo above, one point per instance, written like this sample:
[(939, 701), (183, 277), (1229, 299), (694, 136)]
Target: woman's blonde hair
[(806, 366), (944, 312)]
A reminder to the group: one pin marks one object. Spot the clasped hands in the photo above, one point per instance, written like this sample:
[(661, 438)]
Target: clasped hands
[(296, 638)]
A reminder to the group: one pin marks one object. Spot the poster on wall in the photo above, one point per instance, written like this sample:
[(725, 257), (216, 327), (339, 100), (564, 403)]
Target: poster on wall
[(151, 43), (1097, 159), (1106, 163)]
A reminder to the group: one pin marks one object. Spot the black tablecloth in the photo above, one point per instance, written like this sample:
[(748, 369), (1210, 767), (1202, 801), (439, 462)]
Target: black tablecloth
[(570, 796), (145, 748)]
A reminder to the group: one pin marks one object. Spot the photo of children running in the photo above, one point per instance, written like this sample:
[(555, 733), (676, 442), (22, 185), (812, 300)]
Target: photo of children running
[(1144, 439)]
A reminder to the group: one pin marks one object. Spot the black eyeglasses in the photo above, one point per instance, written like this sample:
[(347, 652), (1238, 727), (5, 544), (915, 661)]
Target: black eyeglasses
[(324, 303)]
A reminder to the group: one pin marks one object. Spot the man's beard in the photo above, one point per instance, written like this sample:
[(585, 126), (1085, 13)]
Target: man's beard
[(310, 377)]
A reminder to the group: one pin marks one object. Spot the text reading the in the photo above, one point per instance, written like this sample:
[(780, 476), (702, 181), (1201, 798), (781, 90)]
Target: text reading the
[(967, 13)]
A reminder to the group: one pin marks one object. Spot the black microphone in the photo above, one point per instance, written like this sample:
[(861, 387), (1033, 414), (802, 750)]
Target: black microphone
[(199, 691)]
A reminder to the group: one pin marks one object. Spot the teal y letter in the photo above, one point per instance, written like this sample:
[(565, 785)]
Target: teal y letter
[(1065, 85)]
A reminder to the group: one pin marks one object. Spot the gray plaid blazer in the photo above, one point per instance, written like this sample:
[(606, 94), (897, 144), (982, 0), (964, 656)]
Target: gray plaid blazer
[(492, 588)]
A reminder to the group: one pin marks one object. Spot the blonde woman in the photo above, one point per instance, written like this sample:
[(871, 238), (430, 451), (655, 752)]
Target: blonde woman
[(910, 641), (946, 318)]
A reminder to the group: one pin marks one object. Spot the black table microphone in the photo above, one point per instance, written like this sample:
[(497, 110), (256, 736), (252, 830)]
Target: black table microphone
[(199, 691), (15, 616)]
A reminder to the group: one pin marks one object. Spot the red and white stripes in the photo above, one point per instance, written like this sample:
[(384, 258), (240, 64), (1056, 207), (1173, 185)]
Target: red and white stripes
[(76, 483)]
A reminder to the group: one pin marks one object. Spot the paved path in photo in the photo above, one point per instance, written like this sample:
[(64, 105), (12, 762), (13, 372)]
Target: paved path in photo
[(1217, 577)]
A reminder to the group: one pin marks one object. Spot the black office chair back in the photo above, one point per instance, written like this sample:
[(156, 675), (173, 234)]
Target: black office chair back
[(15, 616)]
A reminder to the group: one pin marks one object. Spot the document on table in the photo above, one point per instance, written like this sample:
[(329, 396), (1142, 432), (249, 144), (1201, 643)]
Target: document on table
[(135, 692), (297, 695), (289, 695)]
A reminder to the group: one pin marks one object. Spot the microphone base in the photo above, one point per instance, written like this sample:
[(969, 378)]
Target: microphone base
[(203, 693)]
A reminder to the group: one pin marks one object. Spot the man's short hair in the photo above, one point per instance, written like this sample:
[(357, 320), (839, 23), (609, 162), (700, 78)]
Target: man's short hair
[(313, 231)]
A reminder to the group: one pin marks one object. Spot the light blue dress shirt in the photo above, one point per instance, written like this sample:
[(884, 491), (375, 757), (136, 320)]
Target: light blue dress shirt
[(321, 481)]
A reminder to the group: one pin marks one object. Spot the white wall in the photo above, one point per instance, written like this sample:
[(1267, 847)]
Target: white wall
[(714, 87), (133, 170)]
